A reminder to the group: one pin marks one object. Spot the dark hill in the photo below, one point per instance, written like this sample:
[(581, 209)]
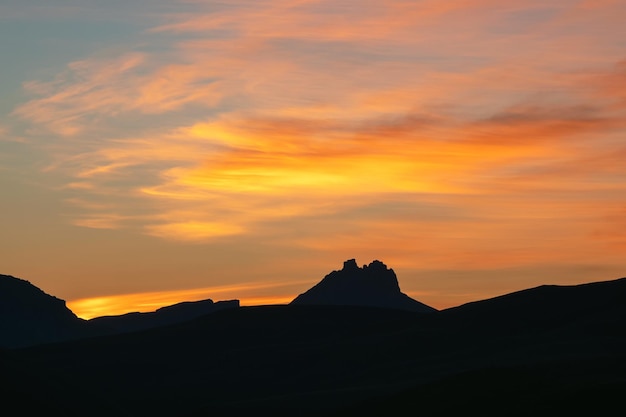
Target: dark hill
[(544, 307), (29, 316), (373, 285)]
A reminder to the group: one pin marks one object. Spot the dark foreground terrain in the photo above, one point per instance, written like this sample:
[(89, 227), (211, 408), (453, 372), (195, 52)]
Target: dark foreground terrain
[(547, 351)]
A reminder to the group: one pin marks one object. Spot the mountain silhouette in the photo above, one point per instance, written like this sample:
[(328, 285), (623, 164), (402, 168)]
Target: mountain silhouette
[(491, 358), (373, 285), (545, 351), (29, 316), (164, 316)]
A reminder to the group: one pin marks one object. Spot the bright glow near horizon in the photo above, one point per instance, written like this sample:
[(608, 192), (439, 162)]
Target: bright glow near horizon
[(157, 147), (89, 308)]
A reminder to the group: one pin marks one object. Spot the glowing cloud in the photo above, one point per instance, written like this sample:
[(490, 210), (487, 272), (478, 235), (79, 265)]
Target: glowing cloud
[(193, 230), (492, 130)]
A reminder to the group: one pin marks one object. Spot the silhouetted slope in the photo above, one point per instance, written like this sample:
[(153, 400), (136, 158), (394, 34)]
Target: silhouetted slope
[(29, 316), (26, 390), (373, 285), (164, 316), (559, 388)]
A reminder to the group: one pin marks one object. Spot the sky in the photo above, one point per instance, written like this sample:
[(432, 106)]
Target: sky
[(155, 151)]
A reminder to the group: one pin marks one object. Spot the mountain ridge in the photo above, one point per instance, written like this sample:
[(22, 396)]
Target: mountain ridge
[(29, 316), (314, 360), (535, 349), (163, 316)]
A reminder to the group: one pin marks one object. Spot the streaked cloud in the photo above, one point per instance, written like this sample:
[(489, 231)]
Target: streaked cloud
[(194, 230), (102, 221)]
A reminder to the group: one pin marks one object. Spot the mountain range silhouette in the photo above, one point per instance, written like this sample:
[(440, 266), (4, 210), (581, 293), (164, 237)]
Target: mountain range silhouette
[(29, 316), (545, 351), (164, 316)]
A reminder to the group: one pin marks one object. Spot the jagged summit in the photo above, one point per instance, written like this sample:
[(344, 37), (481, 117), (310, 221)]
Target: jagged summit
[(372, 285)]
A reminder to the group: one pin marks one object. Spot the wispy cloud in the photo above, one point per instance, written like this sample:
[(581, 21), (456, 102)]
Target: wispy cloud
[(238, 120), (100, 221)]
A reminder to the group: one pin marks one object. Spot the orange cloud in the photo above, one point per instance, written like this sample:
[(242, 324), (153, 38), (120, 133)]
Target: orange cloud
[(102, 221), (194, 230), (290, 122)]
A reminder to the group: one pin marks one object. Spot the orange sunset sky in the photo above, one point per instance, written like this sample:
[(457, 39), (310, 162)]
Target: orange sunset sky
[(158, 151)]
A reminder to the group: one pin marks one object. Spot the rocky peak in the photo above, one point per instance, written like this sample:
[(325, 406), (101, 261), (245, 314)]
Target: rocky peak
[(371, 285)]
